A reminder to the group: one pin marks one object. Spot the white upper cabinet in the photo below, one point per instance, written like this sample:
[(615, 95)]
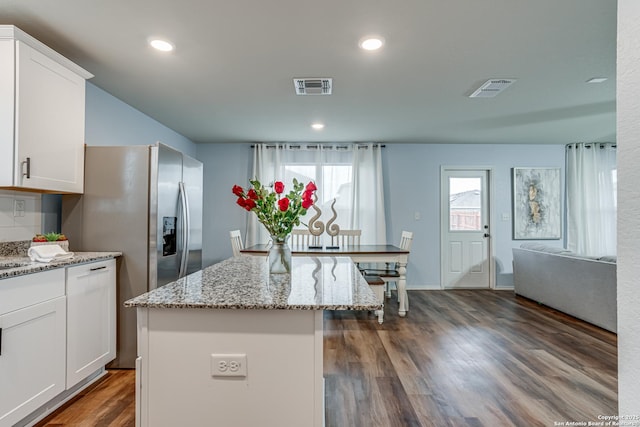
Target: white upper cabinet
[(42, 115)]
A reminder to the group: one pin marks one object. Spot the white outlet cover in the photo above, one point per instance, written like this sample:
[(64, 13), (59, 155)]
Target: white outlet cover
[(228, 365)]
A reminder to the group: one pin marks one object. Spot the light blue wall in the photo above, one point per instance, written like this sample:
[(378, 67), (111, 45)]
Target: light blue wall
[(224, 166), (412, 183), (110, 121)]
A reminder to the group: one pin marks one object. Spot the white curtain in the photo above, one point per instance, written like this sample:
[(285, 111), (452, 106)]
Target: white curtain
[(591, 198), (266, 168), (327, 165), (368, 195)]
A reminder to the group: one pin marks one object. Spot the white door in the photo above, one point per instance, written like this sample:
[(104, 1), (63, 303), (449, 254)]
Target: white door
[(91, 318), (50, 106), (465, 228), (32, 367)]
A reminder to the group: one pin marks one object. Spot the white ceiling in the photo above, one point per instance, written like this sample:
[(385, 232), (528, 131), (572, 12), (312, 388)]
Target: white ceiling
[(230, 77)]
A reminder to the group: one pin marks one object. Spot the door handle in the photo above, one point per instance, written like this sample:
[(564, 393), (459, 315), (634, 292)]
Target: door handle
[(486, 235), (185, 230), (27, 163)]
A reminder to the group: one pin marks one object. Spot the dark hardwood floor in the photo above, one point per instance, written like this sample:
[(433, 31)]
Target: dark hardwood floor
[(460, 358)]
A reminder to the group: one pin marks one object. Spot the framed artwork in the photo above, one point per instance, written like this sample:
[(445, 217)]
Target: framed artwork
[(537, 208)]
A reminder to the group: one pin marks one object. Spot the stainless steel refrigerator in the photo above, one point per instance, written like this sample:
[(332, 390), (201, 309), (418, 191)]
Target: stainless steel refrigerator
[(146, 202)]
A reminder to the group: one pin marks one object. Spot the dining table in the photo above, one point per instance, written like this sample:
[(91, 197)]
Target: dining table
[(359, 254)]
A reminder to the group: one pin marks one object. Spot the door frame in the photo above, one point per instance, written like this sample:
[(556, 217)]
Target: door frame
[(444, 222)]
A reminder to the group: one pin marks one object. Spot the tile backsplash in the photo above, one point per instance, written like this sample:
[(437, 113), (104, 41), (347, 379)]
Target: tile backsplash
[(20, 215)]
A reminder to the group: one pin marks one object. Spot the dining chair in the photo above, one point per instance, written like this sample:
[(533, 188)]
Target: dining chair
[(236, 242), (391, 273), (346, 238), (303, 237)]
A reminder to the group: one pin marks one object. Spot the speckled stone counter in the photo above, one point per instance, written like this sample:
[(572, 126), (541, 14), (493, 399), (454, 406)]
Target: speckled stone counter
[(11, 266), (13, 249), (315, 283)]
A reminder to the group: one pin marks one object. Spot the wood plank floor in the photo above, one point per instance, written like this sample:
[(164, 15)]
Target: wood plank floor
[(461, 358)]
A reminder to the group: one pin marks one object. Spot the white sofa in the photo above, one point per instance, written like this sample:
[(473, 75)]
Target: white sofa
[(582, 287)]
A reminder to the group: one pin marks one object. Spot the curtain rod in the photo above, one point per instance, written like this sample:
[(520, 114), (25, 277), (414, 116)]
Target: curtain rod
[(590, 144), (315, 146)]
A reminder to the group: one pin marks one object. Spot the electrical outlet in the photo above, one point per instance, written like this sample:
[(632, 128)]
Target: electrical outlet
[(18, 208), (229, 365)]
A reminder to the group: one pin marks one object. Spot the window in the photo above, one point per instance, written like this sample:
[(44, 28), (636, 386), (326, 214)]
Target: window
[(336, 170), (465, 204), (333, 182)]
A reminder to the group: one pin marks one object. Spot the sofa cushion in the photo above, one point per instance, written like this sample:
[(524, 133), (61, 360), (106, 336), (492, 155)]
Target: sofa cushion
[(545, 248)]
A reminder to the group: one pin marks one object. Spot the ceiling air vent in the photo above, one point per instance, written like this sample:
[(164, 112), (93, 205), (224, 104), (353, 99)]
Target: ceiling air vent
[(491, 88), (315, 86)]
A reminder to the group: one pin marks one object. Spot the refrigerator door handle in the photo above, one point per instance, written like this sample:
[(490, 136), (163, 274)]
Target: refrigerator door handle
[(185, 230)]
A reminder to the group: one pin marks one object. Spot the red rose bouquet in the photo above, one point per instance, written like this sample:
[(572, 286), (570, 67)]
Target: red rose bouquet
[(277, 211)]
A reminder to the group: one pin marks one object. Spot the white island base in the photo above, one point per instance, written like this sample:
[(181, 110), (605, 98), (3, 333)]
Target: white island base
[(175, 382)]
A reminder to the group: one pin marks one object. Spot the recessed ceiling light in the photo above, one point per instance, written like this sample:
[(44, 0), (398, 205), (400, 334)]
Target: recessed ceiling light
[(317, 126), (371, 43), (597, 80), (161, 45)]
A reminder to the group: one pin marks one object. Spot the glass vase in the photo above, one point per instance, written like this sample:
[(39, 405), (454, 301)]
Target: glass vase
[(280, 255)]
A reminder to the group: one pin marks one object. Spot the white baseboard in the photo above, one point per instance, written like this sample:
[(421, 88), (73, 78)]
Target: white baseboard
[(432, 287), (437, 287)]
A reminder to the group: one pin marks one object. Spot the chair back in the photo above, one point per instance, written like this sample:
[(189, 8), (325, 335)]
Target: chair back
[(406, 240), (346, 238), (303, 237), (236, 242)]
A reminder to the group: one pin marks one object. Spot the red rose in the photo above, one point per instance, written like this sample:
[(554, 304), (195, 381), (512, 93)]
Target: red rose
[(241, 202), (249, 204), (283, 204), (306, 203), (252, 194), (278, 187), (237, 190), (308, 194), (311, 186)]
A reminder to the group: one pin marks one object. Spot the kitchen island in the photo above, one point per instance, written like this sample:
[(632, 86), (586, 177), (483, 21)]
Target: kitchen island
[(232, 345)]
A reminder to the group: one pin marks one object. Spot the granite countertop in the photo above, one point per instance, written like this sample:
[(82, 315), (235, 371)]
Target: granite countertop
[(20, 265), (315, 283)]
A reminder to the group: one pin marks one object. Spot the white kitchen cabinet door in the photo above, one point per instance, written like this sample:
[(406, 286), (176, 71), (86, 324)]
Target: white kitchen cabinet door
[(49, 123), (91, 318), (32, 358), (42, 113)]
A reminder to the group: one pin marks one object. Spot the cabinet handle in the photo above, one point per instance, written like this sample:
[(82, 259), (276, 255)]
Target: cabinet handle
[(28, 163), (98, 268)]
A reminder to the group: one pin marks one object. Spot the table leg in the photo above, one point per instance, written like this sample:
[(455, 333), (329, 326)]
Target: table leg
[(379, 291), (402, 290)]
